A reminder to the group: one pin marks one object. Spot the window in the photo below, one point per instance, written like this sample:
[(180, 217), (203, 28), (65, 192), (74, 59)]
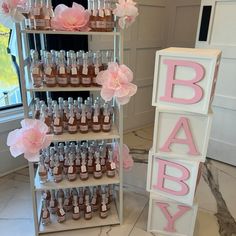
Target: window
[(10, 95)]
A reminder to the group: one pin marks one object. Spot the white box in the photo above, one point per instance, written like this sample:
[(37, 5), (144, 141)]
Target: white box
[(184, 223), (192, 132), (185, 79), (173, 179)]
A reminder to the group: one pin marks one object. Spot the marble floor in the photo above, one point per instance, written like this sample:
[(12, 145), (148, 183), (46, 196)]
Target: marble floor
[(215, 195)]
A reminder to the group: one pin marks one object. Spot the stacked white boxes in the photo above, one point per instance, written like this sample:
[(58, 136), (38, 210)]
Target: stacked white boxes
[(184, 87)]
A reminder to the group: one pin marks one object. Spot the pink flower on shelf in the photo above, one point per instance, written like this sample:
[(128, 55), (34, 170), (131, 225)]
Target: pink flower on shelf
[(116, 82), (71, 18), (29, 139), (128, 161), (127, 12)]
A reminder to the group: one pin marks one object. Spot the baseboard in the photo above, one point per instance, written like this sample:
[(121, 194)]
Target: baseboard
[(13, 170)]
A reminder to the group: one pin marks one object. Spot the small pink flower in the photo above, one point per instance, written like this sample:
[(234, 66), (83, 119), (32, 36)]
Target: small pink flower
[(71, 18), (128, 161), (116, 82), (127, 12), (29, 139)]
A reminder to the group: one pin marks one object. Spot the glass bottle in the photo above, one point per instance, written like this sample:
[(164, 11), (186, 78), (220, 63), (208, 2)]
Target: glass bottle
[(30, 21), (92, 22), (36, 70), (88, 209), (83, 124), (103, 158), (101, 19), (50, 71), (81, 199), (51, 161), (75, 208), (65, 115), (67, 201), (57, 122), (77, 161), (94, 16), (103, 206), (43, 174), (61, 215), (110, 24), (62, 78), (90, 162), (111, 166), (37, 110), (39, 17), (97, 172), (45, 118), (97, 66), (89, 111), (45, 214), (79, 56), (57, 171), (48, 13), (96, 122), (71, 175), (85, 77), (74, 73), (72, 122), (47, 158), (106, 120), (53, 204), (66, 162), (95, 200), (46, 196), (83, 169), (109, 191)]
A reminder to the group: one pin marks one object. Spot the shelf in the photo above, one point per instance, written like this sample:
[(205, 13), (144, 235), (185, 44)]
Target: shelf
[(50, 184), (61, 89), (70, 224), (113, 134), (27, 31)]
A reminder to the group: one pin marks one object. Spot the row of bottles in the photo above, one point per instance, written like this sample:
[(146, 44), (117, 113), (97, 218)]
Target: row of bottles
[(74, 115), (40, 13), (70, 160), (76, 203), (68, 68)]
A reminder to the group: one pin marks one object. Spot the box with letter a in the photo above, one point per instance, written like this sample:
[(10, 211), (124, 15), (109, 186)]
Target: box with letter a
[(170, 218), (185, 79)]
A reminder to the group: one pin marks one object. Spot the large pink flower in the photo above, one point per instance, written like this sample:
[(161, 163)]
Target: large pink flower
[(71, 18), (127, 12), (116, 82), (29, 139), (128, 161)]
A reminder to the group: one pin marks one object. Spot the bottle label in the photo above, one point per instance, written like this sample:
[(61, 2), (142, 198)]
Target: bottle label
[(101, 12), (74, 71), (48, 70), (45, 221), (96, 127), (111, 172), (95, 119), (104, 207), (107, 12), (96, 70), (93, 24), (36, 11), (106, 119), (84, 175), (62, 212), (39, 22), (74, 80), (50, 80), (103, 214), (90, 162), (85, 70), (35, 71), (62, 80), (103, 161), (113, 165), (62, 70), (95, 12), (70, 170), (52, 203), (83, 128), (106, 126), (86, 80), (55, 170), (57, 129), (76, 209), (97, 174), (98, 167), (72, 128), (81, 200), (72, 176), (56, 121), (66, 202), (71, 120), (88, 208), (94, 199), (57, 177), (61, 218), (101, 24)]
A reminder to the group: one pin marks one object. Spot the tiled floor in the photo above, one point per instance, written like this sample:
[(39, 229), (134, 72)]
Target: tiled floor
[(16, 211)]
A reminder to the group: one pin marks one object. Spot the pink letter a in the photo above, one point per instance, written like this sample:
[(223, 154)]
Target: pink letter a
[(182, 123), (171, 219)]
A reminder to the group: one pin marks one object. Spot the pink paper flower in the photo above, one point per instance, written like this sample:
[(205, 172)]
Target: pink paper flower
[(71, 18), (128, 161), (116, 82), (29, 139), (127, 12)]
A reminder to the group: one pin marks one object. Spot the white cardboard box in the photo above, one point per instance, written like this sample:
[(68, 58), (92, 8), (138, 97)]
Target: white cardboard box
[(185, 79)]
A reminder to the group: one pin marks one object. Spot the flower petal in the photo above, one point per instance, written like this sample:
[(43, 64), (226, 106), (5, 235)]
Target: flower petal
[(32, 157), (15, 151), (107, 94), (123, 100)]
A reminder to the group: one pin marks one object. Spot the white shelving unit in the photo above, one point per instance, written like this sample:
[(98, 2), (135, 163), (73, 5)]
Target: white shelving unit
[(116, 135)]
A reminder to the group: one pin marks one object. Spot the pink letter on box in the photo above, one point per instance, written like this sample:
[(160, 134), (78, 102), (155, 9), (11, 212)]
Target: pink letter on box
[(182, 123), (171, 219), (162, 176), (171, 81)]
